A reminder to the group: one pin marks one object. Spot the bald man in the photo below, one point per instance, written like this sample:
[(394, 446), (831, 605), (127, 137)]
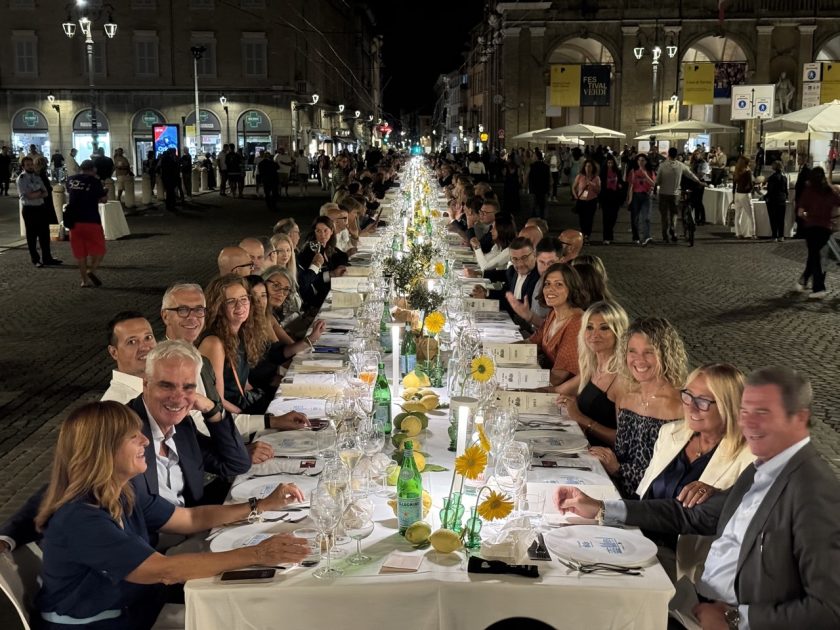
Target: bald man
[(572, 242), (532, 233), (235, 260), (256, 251)]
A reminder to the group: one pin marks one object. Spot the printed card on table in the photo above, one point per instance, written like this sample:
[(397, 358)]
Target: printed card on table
[(513, 353), (346, 283), (358, 271), (479, 305), (523, 377), (530, 402), (342, 299)]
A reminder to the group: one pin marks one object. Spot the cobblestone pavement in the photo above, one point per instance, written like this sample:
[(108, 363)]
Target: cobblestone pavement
[(731, 301)]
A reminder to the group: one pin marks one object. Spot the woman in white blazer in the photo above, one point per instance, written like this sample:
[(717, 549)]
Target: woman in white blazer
[(701, 454)]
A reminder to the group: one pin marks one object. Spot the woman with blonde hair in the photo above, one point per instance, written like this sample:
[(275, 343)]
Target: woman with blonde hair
[(99, 569), (742, 186), (654, 368), (701, 454), (591, 402), (282, 253)]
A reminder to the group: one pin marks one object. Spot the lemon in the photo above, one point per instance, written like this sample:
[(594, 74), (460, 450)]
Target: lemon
[(418, 533), (414, 406), (430, 401), (424, 419), (411, 426), (445, 541), (420, 460), (415, 379), (409, 393)]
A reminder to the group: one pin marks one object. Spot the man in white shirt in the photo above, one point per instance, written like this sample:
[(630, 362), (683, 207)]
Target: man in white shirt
[(130, 339), (773, 563), (530, 310), (668, 178)]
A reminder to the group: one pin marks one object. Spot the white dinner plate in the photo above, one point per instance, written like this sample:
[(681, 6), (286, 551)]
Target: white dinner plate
[(546, 440), (292, 442), (261, 487), (595, 543), (246, 535)]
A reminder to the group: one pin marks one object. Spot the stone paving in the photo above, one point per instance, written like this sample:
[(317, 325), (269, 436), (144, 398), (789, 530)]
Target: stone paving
[(731, 301)]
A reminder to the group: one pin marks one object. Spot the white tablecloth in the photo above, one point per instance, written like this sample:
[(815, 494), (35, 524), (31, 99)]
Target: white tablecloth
[(716, 201), (762, 219)]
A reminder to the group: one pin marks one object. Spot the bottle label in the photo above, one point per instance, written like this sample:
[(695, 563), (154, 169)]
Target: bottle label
[(407, 363), (409, 511), (382, 415)]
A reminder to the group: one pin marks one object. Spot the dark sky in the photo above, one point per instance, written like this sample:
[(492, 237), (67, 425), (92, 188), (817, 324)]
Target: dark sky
[(422, 40)]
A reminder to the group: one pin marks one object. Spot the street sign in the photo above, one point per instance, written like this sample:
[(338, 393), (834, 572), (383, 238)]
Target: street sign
[(500, 134), (811, 72), (752, 101), (811, 94)]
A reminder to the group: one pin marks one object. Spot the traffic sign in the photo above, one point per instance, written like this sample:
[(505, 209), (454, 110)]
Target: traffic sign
[(811, 72)]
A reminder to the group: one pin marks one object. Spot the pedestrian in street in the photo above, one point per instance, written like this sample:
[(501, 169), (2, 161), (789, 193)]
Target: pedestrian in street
[(759, 159), (539, 184), (285, 164), (71, 167), (150, 168), (742, 186), (819, 209), (776, 199), (104, 168), (87, 239), (32, 194), (208, 164), (510, 193), (268, 172), (122, 168), (57, 163), (170, 176), (324, 170), (613, 195), (42, 168), (185, 164), (641, 181), (223, 176), (585, 191), (235, 160), (5, 170), (669, 177), (554, 169), (302, 170)]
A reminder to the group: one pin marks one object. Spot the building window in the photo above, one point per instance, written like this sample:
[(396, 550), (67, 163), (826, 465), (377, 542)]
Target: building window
[(201, 5), (26, 53), (146, 54), (207, 63), (143, 4), (252, 4), (21, 4), (254, 55)]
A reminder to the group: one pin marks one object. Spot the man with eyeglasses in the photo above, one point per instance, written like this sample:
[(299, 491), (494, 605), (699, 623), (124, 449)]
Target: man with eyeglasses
[(235, 260), (480, 228), (529, 309), (520, 277), (343, 239), (256, 252)]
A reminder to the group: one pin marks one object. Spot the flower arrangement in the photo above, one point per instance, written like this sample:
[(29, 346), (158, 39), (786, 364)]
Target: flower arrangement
[(434, 322)]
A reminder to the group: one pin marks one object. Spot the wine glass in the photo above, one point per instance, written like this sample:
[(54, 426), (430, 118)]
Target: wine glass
[(325, 511), (315, 246), (371, 437), (370, 367), (358, 525), (349, 449), (515, 460)]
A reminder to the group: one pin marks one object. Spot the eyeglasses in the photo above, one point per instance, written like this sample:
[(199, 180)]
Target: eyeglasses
[(250, 265), (186, 311), (702, 404), (279, 288), (519, 259), (234, 302)]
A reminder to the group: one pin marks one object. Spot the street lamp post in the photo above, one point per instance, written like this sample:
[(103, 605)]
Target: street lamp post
[(197, 52), (57, 108), (223, 100), (86, 26), (655, 54)]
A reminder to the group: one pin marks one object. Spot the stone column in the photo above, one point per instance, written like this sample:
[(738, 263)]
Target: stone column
[(763, 52), (807, 54), (510, 77), (536, 71), (523, 64), (631, 82)]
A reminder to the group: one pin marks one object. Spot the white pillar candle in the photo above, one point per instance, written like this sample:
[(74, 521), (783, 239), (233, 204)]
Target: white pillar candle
[(463, 421), (395, 360)]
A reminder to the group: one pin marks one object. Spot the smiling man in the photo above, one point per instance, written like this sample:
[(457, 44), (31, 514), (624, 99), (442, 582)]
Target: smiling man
[(130, 339), (773, 562)]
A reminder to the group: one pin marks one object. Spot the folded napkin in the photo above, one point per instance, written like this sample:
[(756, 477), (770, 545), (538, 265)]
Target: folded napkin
[(508, 542), (401, 562)]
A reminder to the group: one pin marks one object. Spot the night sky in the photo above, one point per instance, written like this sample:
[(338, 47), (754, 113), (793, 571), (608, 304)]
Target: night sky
[(422, 40)]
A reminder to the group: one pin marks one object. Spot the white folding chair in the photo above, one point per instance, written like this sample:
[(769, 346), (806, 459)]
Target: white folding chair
[(19, 579)]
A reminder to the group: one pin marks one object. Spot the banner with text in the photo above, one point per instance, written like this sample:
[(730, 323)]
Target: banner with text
[(595, 85), (830, 90), (580, 86), (565, 85), (727, 75), (698, 83)]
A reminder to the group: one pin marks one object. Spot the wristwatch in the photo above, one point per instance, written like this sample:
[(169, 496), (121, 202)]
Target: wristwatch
[(254, 516), (733, 617), (217, 408)]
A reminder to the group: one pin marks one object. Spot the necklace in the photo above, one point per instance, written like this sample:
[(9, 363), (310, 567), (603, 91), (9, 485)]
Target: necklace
[(647, 398), (699, 447)]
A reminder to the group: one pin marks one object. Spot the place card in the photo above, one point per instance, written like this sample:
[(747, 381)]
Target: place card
[(478, 305), (530, 402), (369, 242), (345, 283), (312, 407), (358, 271), (513, 353), (522, 377), (343, 299), (401, 562)]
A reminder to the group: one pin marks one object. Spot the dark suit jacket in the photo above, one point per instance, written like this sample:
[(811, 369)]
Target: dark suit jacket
[(788, 565), (510, 284), (312, 286), (223, 453)]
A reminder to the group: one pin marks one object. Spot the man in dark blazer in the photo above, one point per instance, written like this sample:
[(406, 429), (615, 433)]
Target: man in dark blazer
[(520, 277), (773, 563)]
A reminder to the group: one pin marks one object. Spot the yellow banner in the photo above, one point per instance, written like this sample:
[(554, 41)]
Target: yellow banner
[(698, 83), (830, 89), (565, 86)]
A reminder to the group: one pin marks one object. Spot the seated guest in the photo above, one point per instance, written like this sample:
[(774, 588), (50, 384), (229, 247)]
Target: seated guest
[(503, 231), (479, 226), (235, 260), (256, 252), (774, 554), (321, 257), (282, 253), (572, 242), (130, 339), (594, 283), (284, 303), (234, 342), (344, 242), (530, 310), (654, 367), (699, 455), (599, 383), (539, 223), (520, 277), (99, 567), (532, 233), (591, 259), (289, 228), (557, 337)]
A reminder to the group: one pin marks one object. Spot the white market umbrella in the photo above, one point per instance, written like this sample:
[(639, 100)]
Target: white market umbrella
[(784, 138), (687, 128), (581, 130), (818, 119), (529, 135), (561, 140)]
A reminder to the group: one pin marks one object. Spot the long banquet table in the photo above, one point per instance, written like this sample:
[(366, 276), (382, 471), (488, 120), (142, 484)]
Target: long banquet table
[(442, 594)]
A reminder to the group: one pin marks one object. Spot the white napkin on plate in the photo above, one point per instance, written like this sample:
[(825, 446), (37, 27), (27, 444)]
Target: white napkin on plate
[(508, 542)]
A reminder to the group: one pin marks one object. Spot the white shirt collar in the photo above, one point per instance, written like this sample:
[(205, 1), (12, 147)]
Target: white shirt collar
[(774, 465), (157, 433), (129, 380)]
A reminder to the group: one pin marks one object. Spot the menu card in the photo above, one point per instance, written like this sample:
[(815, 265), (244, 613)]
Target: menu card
[(522, 377), (513, 353), (479, 305), (401, 562), (343, 299), (530, 402), (345, 283), (358, 271)]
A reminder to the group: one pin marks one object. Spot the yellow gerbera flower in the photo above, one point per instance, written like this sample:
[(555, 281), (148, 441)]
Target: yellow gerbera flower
[(436, 214), (482, 368), (482, 438), (472, 463), (434, 322), (439, 269), (495, 506)]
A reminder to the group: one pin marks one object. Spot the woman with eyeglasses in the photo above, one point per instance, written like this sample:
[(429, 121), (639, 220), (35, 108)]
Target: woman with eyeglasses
[(234, 341), (323, 259), (281, 290), (654, 367), (701, 454)]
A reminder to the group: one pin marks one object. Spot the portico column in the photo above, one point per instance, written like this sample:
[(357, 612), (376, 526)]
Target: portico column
[(536, 72), (763, 54), (806, 55), (512, 77), (630, 82)]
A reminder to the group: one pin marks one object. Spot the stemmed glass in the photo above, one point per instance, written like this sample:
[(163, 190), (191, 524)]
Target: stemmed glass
[(371, 437), (326, 511), (369, 367), (358, 525), (515, 460), (349, 449)]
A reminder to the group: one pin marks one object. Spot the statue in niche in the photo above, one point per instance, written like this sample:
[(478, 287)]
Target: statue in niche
[(784, 94)]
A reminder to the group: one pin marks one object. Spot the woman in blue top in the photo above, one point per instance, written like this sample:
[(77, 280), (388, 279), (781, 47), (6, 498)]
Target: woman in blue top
[(99, 570)]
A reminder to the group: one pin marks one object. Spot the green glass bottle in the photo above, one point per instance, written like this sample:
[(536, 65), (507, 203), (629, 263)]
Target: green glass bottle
[(385, 329), (382, 400), (408, 352), (409, 490)]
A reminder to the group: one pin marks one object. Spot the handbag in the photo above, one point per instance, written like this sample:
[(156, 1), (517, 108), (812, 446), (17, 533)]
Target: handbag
[(730, 215)]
